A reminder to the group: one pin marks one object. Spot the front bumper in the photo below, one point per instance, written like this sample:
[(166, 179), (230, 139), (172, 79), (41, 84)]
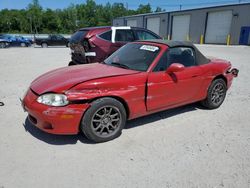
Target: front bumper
[(55, 120), (234, 72), (230, 74)]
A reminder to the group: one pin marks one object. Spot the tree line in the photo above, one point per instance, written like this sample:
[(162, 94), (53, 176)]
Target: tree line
[(36, 19)]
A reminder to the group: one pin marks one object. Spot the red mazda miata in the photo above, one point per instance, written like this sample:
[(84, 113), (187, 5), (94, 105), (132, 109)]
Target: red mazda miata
[(140, 78)]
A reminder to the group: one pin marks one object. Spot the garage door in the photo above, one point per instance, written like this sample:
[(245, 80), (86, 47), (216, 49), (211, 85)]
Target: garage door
[(132, 23), (180, 28), (153, 24), (218, 27)]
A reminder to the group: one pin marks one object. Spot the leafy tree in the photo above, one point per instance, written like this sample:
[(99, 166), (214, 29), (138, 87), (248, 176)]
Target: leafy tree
[(159, 9), (50, 21), (144, 9), (35, 19), (34, 10), (118, 10)]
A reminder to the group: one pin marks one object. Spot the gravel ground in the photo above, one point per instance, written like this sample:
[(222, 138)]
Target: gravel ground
[(183, 147)]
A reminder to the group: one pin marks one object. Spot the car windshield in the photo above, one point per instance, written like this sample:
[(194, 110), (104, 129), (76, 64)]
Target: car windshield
[(78, 36), (133, 56)]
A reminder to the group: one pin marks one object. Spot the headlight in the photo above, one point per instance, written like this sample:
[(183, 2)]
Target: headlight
[(52, 99)]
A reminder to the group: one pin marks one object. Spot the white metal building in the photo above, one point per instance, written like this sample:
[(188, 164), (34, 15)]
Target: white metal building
[(229, 24)]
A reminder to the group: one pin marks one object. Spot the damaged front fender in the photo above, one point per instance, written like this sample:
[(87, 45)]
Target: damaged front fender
[(82, 94), (86, 95)]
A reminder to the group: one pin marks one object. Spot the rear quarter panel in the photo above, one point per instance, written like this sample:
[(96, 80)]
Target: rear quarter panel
[(212, 70), (101, 46)]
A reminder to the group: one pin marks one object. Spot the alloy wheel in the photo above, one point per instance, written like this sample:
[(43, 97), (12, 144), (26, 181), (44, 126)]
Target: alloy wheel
[(106, 121), (218, 94), (2, 45)]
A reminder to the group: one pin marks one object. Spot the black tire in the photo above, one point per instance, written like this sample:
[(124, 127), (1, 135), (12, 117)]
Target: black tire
[(68, 44), (104, 120), (44, 45), (2, 45), (23, 44), (71, 63), (216, 94)]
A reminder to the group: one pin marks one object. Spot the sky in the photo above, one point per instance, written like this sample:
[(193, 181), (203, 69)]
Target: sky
[(132, 4)]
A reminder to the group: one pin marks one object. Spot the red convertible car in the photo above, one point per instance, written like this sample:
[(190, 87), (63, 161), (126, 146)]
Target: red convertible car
[(140, 78)]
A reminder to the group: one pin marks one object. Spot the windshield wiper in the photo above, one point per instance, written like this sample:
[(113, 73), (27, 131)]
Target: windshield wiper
[(120, 65)]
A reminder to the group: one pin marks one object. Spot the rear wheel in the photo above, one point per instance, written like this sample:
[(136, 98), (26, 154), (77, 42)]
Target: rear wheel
[(44, 45), (71, 63), (23, 44), (216, 94), (104, 120), (2, 45)]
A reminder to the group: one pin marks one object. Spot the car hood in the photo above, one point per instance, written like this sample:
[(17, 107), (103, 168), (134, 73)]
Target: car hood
[(62, 79)]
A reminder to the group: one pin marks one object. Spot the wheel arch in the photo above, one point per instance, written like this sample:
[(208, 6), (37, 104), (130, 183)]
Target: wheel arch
[(220, 76), (120, 99), (206, 102)]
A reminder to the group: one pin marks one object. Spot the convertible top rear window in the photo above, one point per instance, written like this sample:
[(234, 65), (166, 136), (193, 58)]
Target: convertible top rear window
[(134, 56)]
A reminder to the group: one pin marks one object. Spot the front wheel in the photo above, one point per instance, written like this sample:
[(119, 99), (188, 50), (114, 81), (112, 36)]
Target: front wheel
[(216, 94), (104, 120)]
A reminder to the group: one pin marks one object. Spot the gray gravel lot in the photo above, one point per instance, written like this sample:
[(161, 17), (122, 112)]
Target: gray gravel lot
[(183, 147)]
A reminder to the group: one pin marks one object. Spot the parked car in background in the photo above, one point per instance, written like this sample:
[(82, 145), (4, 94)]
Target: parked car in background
[(52, 40), (20, 41), (94, 44), (140, 78), (24, 39), (16, 40)]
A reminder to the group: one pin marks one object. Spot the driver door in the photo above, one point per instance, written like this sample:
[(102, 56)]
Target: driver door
[(60, 40), (165, 89), (53, 40)]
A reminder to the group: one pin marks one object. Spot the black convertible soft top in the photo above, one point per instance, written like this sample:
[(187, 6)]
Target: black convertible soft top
[(200, 58)]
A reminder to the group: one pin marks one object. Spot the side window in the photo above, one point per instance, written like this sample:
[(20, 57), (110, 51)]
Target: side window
[(162, 63), (182, 55), (144, 35), (59, 37), (53, 37), (123, 35), (106, 35)]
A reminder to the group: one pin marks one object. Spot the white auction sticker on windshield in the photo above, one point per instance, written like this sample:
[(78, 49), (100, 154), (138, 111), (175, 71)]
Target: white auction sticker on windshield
[(149, 48)]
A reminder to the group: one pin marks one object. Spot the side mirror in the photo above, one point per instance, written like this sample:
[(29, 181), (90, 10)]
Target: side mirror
[(175, 67)]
